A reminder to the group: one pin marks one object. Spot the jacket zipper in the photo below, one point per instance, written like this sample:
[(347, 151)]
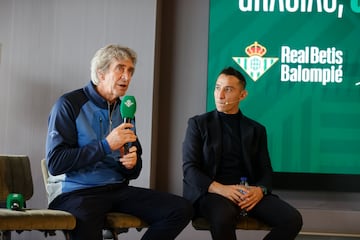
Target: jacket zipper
[(110, 111), (101, 127)]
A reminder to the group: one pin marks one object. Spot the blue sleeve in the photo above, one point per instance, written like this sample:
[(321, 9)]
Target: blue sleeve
[(63, 153), (106, 146)]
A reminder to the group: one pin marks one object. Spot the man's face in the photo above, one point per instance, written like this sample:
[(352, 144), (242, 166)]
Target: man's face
[(228, 93), (115, 81)]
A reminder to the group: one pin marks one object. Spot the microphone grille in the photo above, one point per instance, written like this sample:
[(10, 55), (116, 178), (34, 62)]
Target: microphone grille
[(128, 107)]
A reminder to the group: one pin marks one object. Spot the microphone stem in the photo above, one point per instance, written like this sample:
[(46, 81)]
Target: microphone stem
[(127, 145)]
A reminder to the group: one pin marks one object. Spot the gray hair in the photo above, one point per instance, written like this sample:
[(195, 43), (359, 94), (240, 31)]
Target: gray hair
[(104, 57)]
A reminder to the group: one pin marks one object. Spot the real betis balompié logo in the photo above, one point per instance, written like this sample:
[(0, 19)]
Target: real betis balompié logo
[(255, 65)]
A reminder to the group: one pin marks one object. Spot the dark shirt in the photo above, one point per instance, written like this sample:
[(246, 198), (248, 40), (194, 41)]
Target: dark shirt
[(231, 167)]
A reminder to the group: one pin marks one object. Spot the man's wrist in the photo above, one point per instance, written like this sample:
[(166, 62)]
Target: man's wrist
[(263, 189)]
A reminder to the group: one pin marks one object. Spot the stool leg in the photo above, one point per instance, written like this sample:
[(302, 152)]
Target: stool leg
[(67, 235), (115, 235), (5, 235)]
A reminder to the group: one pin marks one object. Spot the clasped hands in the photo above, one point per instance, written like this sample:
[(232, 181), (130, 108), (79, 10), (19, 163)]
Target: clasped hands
[(249, 196), (117, 138), (246, 197)]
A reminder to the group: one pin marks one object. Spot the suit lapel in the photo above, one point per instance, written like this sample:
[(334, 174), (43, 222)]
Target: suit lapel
[(246, 137), (215, 131)]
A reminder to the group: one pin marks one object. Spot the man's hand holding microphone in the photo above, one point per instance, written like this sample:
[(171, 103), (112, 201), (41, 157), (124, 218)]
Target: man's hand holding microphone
[(122, 136)]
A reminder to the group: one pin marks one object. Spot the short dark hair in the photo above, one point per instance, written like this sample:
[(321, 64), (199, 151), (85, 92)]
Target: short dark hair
[(233, 72)]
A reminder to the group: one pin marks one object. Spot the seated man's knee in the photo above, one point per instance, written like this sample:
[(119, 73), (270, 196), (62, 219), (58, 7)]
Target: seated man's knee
[(297, 221)]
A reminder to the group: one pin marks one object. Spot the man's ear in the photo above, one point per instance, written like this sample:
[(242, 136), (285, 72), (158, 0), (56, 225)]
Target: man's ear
[(100, 74), (243, 95)]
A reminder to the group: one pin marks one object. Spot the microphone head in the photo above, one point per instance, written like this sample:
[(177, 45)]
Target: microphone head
[(128, 107)]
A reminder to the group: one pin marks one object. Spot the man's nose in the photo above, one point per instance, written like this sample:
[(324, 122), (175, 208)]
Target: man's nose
[(126, 75), (221, 94)]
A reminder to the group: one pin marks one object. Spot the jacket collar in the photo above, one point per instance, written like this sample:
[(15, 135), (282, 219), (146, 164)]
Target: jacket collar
[(95, 97)]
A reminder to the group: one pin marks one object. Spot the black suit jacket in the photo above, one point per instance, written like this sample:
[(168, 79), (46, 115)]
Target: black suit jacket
[(202, 148)]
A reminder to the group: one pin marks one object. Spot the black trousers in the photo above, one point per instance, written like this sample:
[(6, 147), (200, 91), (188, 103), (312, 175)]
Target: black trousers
[(166, 214), (222, 214)]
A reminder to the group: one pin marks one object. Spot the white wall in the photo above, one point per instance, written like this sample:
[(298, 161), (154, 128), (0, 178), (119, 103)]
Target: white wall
[(46, 48)]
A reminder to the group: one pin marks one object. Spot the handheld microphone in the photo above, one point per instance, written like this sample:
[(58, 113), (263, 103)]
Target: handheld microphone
[(127, 111), (15, 201)]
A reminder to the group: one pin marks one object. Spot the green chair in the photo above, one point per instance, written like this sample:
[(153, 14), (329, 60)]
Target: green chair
[(15, 177)]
